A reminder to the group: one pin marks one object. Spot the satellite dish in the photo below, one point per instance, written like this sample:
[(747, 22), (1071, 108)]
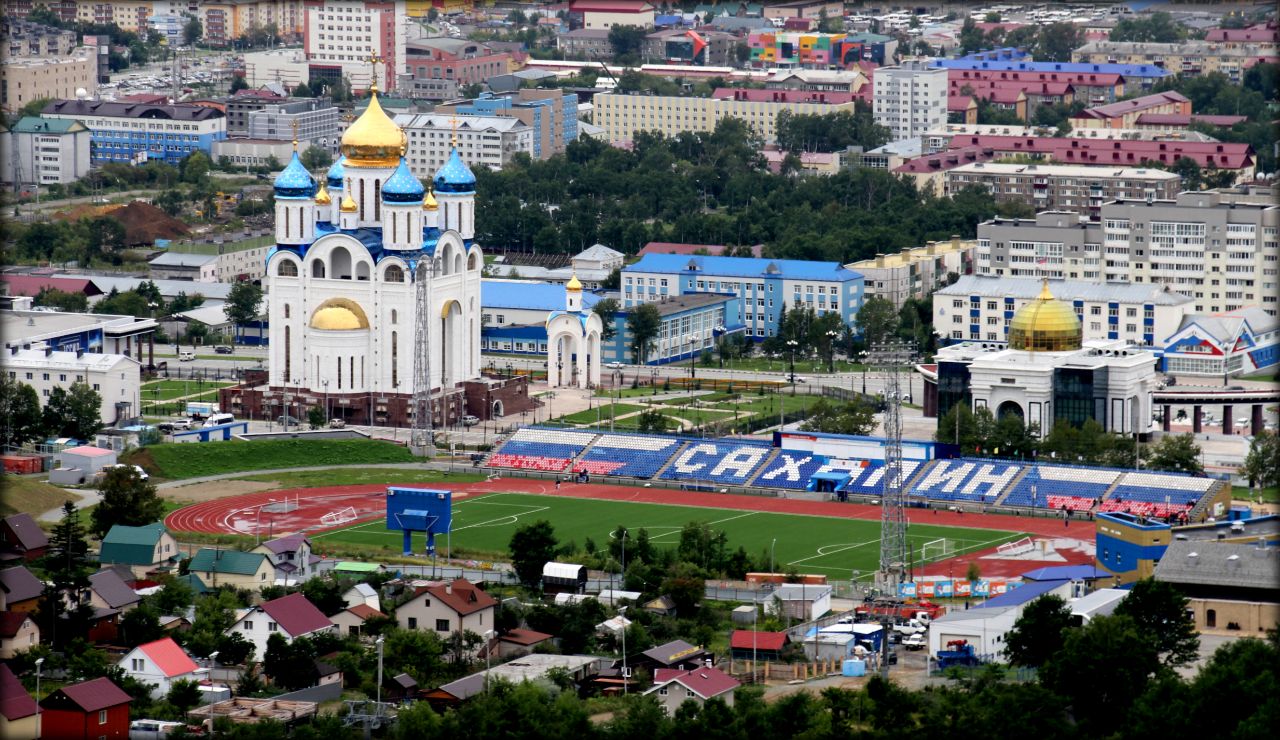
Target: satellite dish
[(81, 93)]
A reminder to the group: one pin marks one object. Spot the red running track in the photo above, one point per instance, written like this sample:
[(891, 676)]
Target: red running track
[(239, 514)]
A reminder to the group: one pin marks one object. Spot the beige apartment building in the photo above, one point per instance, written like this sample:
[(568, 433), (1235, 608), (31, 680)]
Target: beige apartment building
[(622, 115), (917, 272), (25, 80), (1073, 188), (1187, 58)]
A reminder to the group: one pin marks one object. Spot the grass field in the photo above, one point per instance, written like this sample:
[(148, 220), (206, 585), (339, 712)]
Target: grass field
[(30, 496), (808, 544), (177, 461), (164, 390), (1268, 495)]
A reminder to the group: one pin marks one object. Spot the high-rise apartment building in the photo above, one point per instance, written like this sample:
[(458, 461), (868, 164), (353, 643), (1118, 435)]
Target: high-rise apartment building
[(909, 99), (342, 37)]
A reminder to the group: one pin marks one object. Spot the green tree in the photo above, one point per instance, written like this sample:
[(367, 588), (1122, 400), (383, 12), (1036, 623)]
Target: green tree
[(20, 407), (1160, 612), (192, 31), (303, 90), (1157, 27), (685, 586), (532, 546), (1262, 464), (244, 304), (184, 694), (237, 84), (1176, 453), (63, 301), (626, 41), (66, 567), (856, 417), (290, 665), (1100, 671), (195, 168), (643, 322), (1056, 41), (140, 625), (315, 417), (316, 158), (126, 499), (877, 320), (174, 597), (653, 421), (607, 310), (1039, 632), (73, 412)]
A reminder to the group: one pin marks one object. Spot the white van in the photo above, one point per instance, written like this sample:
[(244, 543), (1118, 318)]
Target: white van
[(217, 419), (186, 355)]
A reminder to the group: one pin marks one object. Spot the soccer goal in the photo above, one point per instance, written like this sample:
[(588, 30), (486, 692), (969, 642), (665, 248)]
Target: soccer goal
[(341, 516), (935, 550)]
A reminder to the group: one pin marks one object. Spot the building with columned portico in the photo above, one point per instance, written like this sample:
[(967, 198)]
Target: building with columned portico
[(574, 342)]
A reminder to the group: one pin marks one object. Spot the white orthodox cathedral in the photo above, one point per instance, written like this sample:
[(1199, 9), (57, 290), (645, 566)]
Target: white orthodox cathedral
[(342, 283)]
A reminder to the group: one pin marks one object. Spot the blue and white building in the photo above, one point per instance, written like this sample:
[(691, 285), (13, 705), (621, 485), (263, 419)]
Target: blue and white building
[(762, 286), (514, 314), (138, 132), (1239, 342), (691, 324)]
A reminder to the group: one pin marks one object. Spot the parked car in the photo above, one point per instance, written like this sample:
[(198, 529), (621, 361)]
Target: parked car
[(916, 642), (174, 425), (470, 420), (142, 474), (224, 349), (287, 420), (615, 366), (337, 423)]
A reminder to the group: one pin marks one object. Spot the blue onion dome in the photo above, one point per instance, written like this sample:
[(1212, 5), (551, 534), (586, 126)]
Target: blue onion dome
[(337, 174), (455, 176), (294, 181), (402, 186)]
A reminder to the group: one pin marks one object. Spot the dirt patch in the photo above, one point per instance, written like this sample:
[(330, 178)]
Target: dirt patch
[(213, 490)]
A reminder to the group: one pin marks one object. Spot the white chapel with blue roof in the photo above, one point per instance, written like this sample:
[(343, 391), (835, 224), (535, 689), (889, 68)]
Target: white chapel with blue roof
[(343, 277)]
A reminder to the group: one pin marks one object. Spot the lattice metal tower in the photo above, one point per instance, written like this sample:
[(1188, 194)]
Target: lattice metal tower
[(421, 441), (894, 553)]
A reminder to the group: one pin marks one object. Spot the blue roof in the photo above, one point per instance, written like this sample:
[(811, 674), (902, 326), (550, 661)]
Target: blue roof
[(1022, 594), (337, 173), (294, 181), (1126, 70), (402, 186), (515, 294), (455, 176), (1069, 572), (747, 267)]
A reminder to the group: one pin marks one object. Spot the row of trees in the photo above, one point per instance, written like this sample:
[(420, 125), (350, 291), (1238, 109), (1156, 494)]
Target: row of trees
[(73, 411)]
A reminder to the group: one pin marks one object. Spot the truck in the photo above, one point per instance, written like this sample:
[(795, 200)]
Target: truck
[(202, 409), (911, 627), (918, 641), (898, 611), (958, 653)]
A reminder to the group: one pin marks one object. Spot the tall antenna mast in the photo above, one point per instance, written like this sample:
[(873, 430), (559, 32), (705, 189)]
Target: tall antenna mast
[(895, 562), (422, 442)]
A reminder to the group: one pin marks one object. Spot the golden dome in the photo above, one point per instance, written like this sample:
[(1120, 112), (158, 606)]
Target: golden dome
[(339, 314), (429, 202), (1046, 324), (573, 284), (374, 140), (348, 205), (322, 197)]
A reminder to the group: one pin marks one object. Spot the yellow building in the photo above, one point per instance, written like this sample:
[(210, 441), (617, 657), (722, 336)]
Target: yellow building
[(1187, 58), (622, 115), (228, 20), (25, 80), (420, 8), (129, 15), (251, 570), (916, 272)]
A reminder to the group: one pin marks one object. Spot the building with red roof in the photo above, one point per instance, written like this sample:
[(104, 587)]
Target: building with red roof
[(18, 716), (291, 616), (1094, 88), (518, 642), (449, 607), (714, 250), (1125, 113), (753, 645), (350, 621), (1263, 33), (160, 663), (821, 97), (18, 632), (698, 685), (605, 14), (91, 710), (1109, 152), (31, 285), (1166, 121), (929, 171)]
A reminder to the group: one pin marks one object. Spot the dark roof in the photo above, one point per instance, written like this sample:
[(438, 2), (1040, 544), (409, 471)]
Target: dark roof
[(525, 637), (1022, 594), (1223, 564), (673, 652), (363, 612), (288, 543), (296, 614), (28, 534), (19, 584), (112, 589), (404, 681), (15, 702), (30, 285), (462, 596), (326, 669), (177, 112), (10, 622), (90, 696)]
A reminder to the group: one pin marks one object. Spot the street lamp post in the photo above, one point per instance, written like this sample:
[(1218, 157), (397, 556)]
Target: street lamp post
[(862, 358), (791, 347), (622, 612), (693, 371), (771, 546), (488, 650), (328, 408), (39, 662), (379, 643)]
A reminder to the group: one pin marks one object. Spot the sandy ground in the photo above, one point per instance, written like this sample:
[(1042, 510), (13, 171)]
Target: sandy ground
[(200, 492)]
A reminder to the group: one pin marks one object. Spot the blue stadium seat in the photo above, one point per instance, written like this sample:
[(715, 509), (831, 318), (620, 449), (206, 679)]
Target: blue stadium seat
[(721, 461), (533, 448), (792, 469), (973, 481), (627, 455), (1056, 486), (1157, 494), (867, 478)]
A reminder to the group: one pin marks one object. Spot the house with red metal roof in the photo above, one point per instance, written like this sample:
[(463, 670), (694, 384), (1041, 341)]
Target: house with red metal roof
[(91, 710), (753, 645), (18, 632), (1113, 153), (517, 642), (449, 607), (1125, 113), (673, 688), (1262, 33), (18, 716), (292, 616), (31, 285), (350, 621), (21, 538), (159, 663), (20, 590)]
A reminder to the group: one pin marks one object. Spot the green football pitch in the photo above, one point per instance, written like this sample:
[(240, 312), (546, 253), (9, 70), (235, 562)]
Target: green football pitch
[(807, 544)]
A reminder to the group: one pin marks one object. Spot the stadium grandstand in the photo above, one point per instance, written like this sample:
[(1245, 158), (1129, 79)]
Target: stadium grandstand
[(712, 464)]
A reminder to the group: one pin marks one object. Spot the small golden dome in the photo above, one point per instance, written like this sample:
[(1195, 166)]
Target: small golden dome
[(429, 202), (348, 205), (339, 314), (1046, 324), (573, 285), (322, 197), (374, 140)]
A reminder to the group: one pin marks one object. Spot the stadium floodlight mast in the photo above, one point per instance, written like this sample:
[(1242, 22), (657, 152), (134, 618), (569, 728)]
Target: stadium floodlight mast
[(890, 357), (422, 442)]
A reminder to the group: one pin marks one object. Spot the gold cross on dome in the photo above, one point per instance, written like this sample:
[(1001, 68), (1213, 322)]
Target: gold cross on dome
[(294, 125), (453, 129), (374, 60)]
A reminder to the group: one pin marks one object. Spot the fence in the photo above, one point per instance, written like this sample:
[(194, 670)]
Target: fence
[(755, 672)]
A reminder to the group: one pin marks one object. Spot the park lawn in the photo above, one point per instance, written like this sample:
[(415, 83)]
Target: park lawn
[(164, 390), (190, 460), (643, 390), (31, 496), (364, 475), (833, 546), (604, 412), (769, 404), (1270, 495)]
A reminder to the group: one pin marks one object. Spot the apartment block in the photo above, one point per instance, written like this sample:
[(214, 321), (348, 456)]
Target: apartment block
[(910, 99), (316, 119), (980, 308), (44, 152), (1073, 188), (621, 115), (462, 61), (23, 80), (487, 141), (1187, 58), (1126, 113), (136, 132), (915, 273), (342, 35), (25, 39), (1223, 252), (551, 114)]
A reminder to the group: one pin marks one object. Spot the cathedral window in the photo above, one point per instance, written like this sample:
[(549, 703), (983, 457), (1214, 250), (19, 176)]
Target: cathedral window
[(288, 355), (339, 359), (377, 200), (286, 306), (395, 351), (393, 274), (473, 262), (394, 316), (317, 268), (287, 268)]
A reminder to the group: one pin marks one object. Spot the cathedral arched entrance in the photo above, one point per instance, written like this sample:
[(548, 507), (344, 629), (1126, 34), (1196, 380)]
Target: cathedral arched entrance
[(1010, 408)]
